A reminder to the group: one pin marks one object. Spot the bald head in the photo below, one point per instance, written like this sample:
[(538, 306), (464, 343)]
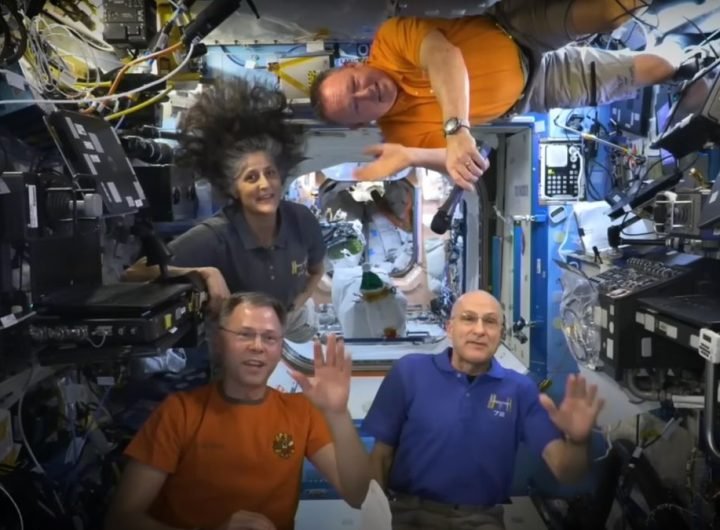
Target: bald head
[(475, 299)]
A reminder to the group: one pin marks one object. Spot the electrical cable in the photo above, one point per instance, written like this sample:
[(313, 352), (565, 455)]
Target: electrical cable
[(98, 99), (155, 55), (15, 505), (23, 437), (147, 103), (629, 12)]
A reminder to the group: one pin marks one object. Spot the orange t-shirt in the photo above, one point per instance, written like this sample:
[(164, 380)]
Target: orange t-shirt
[(223, 457), (493, 63)]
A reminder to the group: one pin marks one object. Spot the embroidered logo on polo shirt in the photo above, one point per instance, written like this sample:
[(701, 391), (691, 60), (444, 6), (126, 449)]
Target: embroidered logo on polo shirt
[(284, 445), (298, 267), (499, 407)]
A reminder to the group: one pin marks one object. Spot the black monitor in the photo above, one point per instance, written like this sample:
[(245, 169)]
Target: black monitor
[(91, 150), (694, 119)]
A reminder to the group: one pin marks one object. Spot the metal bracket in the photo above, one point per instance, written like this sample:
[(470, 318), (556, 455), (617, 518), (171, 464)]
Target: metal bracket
[(529, 218)]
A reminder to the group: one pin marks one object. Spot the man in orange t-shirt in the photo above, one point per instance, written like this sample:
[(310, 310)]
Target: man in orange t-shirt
[(427, 80), (229, 455)]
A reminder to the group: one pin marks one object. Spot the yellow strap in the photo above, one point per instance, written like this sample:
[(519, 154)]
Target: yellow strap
[(293, 82), (295, 61)]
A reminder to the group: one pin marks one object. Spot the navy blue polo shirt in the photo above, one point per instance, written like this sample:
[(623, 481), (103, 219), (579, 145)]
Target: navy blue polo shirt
[(226, 242), (456, 441)]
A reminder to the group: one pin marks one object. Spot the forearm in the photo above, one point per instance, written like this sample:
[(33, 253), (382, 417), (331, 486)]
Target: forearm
[(136, 521), (140, 272), (573, 462), (449, 79), (353, 461), (428, 158), (312, 283)]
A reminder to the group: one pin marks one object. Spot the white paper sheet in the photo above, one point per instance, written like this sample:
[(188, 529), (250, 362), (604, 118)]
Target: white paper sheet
[(375, 511)]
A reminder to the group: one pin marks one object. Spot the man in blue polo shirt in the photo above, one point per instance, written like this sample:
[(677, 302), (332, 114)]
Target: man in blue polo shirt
[(447, 427)]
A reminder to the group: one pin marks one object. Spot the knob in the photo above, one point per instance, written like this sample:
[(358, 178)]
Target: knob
[(519, 325), (91, 205)]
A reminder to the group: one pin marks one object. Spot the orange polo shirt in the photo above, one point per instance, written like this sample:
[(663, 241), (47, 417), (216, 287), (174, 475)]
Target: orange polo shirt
[(493, 63), (222, 457)]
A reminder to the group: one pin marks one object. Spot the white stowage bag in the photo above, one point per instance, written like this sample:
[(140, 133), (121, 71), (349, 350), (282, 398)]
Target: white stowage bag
[(375, 511), (362, 318)]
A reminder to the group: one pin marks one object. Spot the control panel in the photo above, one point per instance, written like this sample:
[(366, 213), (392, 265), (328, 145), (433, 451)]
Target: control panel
[(709, 346), (657, 273), (638, 274), (562, 171), (129, 23)]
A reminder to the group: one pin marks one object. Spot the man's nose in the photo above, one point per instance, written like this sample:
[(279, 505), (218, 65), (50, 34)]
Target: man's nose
[(256, 344), (366, 94), (479, 327)]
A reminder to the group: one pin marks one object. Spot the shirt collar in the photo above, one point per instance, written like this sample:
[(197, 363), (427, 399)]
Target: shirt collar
[(442, 361), (235, 215)]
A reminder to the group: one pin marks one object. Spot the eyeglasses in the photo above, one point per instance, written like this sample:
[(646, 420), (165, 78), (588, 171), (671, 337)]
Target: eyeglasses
[(471, 319), (248, 337)]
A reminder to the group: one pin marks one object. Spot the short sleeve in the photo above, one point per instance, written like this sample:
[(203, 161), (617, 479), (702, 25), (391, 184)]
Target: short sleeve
[(159, 442), (198, 247), (537, 430), (398, 41), (318, 433), (388, 412), (317, 248)]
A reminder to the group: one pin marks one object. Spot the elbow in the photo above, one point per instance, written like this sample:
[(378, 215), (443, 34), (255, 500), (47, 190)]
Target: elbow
[(357, 499), (355, 496), (446, 55), (355, 504)]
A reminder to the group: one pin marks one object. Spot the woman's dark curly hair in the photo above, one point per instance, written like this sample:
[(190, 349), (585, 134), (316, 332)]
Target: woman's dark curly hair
[(231, 119)]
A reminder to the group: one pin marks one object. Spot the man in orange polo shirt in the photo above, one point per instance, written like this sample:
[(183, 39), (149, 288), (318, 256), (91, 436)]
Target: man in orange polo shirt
[(427, 79), (229, 455)]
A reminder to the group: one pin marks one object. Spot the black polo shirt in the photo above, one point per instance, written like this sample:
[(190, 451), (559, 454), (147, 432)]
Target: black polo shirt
[(226, 242)]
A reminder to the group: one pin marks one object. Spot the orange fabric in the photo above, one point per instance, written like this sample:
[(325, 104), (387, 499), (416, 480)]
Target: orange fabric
[(222, 457), (493, 63)]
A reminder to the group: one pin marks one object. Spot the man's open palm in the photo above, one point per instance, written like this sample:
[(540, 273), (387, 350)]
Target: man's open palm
[(578, 412), (389, 160), (329, 388)]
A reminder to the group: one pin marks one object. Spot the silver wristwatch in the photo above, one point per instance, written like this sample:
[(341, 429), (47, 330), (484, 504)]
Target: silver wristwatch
[(453, 125)]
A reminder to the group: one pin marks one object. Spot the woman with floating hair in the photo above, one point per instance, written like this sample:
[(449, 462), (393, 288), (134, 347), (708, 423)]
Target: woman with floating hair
[(236, 136)]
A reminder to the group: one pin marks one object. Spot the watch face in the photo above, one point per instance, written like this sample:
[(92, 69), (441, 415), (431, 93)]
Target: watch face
[(451, 125)]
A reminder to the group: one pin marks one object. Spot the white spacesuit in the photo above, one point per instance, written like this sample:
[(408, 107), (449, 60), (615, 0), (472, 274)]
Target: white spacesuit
[(367, 305)]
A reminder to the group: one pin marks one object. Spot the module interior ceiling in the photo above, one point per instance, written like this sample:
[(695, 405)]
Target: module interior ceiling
[(303, 20)]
